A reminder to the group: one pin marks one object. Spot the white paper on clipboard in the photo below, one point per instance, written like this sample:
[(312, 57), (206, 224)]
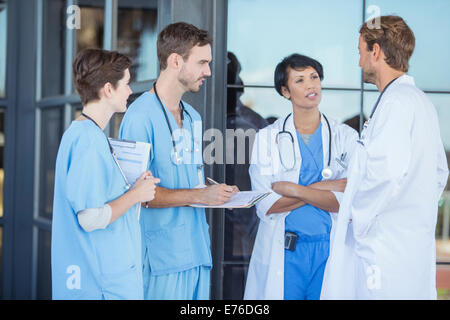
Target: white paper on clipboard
[(133, 159)]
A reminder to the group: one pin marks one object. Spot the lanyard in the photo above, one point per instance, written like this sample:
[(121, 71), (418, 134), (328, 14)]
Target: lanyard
[(366, 124), (379, 98), (110, 149)]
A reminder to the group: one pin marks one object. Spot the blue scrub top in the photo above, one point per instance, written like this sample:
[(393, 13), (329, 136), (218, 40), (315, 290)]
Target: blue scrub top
[(309, 220), (105, 263), (176, 239)]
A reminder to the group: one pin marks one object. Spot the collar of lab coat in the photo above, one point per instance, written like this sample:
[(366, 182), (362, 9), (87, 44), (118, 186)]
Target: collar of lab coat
[(325, 140), (405, 79)]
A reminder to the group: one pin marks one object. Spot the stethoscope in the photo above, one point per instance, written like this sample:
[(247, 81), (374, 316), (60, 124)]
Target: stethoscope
[(127, 186), (326, 172), (366, 123), (177, 159)]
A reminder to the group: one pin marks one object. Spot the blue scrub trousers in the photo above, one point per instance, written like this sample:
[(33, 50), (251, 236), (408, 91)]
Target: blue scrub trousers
[(304, 267), (192, 284)]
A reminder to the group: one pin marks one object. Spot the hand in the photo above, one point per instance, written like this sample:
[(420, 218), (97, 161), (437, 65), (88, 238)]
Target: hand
[(284, 188), (144, 187), (217, 194), (235, 190)]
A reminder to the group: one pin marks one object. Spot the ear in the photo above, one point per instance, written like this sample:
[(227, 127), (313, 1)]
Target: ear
[(285, 92), (377, 53), (174, 60), (106, 91)]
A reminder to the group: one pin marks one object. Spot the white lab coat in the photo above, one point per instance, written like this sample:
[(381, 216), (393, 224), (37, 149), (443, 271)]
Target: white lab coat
[(395, 180), (265, 279)]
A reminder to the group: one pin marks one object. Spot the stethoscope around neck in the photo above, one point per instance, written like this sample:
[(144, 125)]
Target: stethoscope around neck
[(326, 172), (176, 157), (113, 154)]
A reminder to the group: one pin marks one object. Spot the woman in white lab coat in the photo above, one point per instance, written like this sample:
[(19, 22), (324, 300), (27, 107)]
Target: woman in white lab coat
[(292, 158)]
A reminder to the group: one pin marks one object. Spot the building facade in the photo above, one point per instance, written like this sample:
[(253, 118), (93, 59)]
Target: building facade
[(40, 38)]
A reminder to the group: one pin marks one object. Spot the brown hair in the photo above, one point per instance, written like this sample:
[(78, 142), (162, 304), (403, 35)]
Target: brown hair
[(93, 68), (394, 37), (179, 38)]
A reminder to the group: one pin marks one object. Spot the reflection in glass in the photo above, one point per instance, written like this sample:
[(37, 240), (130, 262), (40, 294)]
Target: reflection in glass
[(136, 37), (51, 132), (90, 35), (429, 63), (53, 47), (242, 124), (44, 278), (326, 30), (3, 33)]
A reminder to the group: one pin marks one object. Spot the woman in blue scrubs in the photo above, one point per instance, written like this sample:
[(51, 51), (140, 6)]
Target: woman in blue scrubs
[(293, 241), (96, 245)]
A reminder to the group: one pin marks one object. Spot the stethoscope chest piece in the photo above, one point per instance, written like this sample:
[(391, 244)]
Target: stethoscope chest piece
[(327, 173)]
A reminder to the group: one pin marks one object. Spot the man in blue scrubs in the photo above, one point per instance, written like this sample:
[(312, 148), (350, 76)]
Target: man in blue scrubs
[(176, 245)]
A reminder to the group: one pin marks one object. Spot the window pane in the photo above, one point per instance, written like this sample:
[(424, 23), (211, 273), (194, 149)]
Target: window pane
[(338, 105), (44, 277), (326, 30), (442, 104), (136, 38), (90, 35), (234, 284), (76, 111), (53, 47), (370, 98), (3, 33), (2, 148), (1, 261), (51, 132), (429, 63)]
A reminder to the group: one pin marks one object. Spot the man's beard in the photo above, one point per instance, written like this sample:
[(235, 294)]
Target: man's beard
[(189, 85), (369, 76)]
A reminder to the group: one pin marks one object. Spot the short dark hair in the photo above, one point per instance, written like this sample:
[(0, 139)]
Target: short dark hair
[(179, 38), (394, 37), (294, 61), (93, 68)]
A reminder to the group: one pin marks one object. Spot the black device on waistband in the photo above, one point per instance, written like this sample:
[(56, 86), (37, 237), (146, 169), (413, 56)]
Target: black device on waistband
[(290, 240)]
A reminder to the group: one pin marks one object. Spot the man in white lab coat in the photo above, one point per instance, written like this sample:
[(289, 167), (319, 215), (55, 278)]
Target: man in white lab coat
[(384, 245)]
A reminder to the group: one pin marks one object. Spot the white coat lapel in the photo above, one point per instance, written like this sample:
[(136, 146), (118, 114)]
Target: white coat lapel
[(325, 140), (292, 175)]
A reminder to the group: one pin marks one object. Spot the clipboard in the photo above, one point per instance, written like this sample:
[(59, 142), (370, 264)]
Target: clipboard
[(132, 158), (241, 200)]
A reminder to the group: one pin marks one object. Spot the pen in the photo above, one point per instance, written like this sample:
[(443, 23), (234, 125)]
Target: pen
[(211, 181)]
